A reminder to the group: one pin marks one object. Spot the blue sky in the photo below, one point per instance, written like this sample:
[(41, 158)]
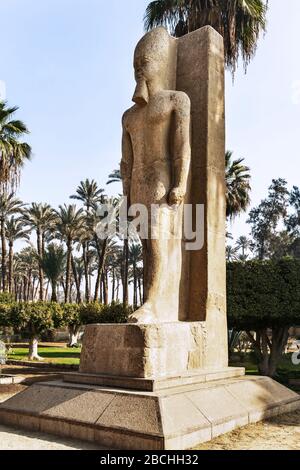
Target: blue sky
[(68, 65)]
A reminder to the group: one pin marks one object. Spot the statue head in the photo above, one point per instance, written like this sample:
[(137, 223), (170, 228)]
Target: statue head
[(151, 60)]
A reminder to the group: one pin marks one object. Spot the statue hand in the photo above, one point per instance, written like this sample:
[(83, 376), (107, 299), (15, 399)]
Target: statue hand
[(176, 196)]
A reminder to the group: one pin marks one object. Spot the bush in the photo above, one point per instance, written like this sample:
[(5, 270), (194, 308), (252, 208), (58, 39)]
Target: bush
[(6, 298), (90, 313), (115, 313), (5, 314), (264, 300), (98, 313), (263, 294)]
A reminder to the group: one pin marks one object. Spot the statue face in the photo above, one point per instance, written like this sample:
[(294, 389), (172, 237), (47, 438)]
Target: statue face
[(150, 62), (146, 67)]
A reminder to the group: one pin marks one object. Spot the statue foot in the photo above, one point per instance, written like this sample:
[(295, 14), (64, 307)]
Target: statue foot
[(143, 315)]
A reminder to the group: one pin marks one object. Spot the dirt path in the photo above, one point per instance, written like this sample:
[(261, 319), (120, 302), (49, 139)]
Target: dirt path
[(281, 433), (12, 439)]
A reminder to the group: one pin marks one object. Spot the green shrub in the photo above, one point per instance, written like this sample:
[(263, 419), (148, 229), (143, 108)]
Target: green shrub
[(263, 294), (5, 314), (264, 300), (33, 318), (90, 313), (6, 298), (115, 313), (97, 313), (71, 315)]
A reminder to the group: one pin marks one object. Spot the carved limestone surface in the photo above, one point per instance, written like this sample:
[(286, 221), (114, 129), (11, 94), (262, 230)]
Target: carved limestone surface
[(155, 168)]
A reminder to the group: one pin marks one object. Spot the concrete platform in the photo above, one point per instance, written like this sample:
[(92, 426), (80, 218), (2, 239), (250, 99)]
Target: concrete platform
[(154, 384), (172, 419)]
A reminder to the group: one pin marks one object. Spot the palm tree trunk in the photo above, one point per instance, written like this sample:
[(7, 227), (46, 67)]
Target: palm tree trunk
[(10, 267), (140, 290), (47, 290), (104, 289), (54, 291), (97, 286), (41, 274), (125, 271), (68, 270), (86, 272), (102, 257), (113, 285), (77, 283), (3, 255), (134, 286)]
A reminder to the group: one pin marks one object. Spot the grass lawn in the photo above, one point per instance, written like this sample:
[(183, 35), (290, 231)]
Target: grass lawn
[(54, 355), (286, 370)]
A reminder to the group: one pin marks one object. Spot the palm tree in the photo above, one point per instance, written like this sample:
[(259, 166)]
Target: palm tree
[(9, 205), (25, 274), (115, 177), (243, 243), (53, 263), (15, 230), (70, 222), (238, 186), (240, 22), (13, 153), (88, 193), (41, 218), (231, 253), (135, 257)]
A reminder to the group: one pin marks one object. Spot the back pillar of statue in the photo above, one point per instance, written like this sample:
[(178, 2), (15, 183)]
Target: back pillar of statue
[(200, 74)]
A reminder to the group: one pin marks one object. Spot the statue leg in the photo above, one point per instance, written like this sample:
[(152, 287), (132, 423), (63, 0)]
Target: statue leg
[(162, 272)]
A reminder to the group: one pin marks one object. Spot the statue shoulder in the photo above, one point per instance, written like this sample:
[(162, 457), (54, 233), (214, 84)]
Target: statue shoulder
[(181, 101), (128, 115)]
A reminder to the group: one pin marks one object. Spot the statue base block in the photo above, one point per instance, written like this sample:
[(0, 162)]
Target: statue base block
[(174, 419), (154, 351)]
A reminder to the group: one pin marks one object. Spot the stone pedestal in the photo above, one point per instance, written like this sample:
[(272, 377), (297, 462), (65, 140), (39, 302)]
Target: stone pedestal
[(142, 387), (144, 351), (177, 418)]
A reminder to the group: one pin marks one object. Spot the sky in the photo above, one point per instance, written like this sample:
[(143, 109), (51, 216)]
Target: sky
[(68, 65)]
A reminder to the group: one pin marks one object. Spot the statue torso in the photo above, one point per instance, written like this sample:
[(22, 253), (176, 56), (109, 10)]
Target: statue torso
[(150, 128)]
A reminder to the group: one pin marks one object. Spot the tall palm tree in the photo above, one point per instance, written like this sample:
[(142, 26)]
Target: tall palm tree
[(53, 263), (25, 274), (41, 218), (88, 193), (70, 221), (238, 186), (240, 22), (15, 230), (13, 152), (115, 177), (135, 258), (9, 205)]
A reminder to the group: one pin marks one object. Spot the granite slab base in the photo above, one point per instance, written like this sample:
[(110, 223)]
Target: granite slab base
[(173, 419), (153, 384)]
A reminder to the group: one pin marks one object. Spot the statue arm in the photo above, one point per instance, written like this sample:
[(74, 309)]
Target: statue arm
[(182, 148), (126, 162)]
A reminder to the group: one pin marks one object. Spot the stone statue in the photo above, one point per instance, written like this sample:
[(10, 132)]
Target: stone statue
[(155, 167)]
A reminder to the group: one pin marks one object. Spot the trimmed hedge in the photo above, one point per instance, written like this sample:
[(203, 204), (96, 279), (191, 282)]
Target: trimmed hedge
[(263, 294)]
